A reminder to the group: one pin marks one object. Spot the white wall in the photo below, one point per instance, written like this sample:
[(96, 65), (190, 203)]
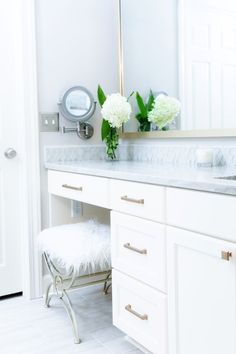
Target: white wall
[(77, 44)]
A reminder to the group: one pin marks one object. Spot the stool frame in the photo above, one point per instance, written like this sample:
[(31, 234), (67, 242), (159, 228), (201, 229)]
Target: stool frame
[(61, 283)]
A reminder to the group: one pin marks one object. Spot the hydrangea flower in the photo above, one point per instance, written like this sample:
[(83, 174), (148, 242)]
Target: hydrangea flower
[(116, 110), (165, 110)]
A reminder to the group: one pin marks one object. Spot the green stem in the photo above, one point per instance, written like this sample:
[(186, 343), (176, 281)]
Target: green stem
[(112, 142)]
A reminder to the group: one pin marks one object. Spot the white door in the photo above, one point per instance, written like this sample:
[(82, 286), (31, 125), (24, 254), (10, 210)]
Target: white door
[(208, 57), (202, 294), (11, 120)]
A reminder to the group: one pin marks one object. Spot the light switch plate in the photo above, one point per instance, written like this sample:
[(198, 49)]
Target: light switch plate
[(49, 122)]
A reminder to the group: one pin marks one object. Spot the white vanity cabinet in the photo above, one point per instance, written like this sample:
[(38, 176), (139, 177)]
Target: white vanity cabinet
[(201, 272), (138, 239), (173, 258), (201, 293), (194, 238)]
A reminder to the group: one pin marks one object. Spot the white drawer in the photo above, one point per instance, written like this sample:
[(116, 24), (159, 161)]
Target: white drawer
[(140, 311), (207, 213), (139, 249), (88, 189), (139, 199)]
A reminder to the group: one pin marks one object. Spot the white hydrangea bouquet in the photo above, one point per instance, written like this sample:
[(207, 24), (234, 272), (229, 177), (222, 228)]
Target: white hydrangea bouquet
[(116, 110), (165, 110)]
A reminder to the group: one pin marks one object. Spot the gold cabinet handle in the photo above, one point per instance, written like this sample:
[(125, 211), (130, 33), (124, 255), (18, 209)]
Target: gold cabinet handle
[(142, 317), (226, 255), (131, 200), (67, 186), (134, 249)]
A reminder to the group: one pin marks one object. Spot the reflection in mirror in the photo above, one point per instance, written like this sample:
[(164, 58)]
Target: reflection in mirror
[(149, 40), (186, 48), (78, 103)]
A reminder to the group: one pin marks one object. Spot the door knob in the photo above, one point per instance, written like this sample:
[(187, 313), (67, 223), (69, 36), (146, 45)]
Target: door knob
[(10, 153)]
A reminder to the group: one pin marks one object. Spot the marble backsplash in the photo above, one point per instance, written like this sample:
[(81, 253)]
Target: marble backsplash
[(178, 154)]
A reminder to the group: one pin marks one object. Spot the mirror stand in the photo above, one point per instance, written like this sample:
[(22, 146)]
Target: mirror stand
[(84, 130)]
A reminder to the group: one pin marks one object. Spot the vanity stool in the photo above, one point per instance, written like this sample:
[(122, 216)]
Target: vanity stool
[(76, 255)]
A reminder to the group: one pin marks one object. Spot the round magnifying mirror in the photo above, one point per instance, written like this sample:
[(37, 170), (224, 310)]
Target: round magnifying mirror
[(77, 104)]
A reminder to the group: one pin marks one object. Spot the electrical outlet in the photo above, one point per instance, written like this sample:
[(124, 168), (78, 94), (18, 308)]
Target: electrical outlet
[(49, 122), (76, 209)]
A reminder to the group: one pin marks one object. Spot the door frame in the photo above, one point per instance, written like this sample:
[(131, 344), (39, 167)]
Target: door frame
[(30, 166)]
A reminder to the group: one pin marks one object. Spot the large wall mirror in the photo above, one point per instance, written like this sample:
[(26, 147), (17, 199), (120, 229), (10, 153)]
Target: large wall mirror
[(187, 50)]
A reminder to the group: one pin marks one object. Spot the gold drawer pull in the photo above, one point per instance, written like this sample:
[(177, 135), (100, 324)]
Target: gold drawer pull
[(80, 189), (131, 200), (142, 317), (131, 248), (226, 255)]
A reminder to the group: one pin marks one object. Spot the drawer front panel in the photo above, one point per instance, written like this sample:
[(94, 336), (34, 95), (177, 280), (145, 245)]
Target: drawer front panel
[(88, 189), (140, 311), (139, 249), (207, 213), (139, 199)]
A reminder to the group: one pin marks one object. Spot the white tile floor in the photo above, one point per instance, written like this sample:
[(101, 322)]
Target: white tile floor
[(26, 327)]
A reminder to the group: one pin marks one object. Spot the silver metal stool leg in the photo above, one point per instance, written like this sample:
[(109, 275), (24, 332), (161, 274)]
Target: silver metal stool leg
[(60, 292), (69, 309), (63, 282), (106, 285), (47, 297)]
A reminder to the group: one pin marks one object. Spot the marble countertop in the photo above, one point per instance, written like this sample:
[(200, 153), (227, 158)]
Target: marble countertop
[(201, 179)]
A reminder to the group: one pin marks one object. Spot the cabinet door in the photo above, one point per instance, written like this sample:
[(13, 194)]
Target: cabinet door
[(202, 294)]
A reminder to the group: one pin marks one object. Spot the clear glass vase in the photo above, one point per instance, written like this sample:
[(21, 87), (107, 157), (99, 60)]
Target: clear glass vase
[(112, 154), (113, 158)]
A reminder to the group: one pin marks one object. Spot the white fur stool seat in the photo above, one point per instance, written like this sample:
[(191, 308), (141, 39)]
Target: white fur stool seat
[(74, 252), (86, 246)]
